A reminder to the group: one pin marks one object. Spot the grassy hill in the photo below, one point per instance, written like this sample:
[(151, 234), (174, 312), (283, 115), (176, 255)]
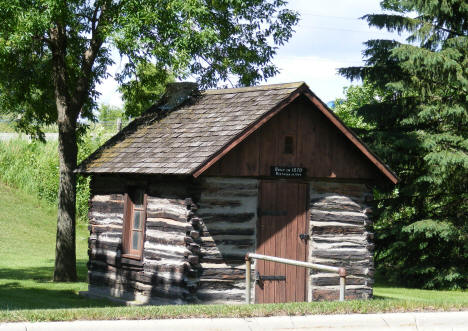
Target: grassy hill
[(27, 252)]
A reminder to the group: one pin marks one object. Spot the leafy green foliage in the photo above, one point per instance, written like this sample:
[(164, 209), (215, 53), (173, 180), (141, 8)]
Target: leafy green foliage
[(420, 127), (145, 89), (356, 96), (109, 113), (210, 40), (33, 168), (53, 53)]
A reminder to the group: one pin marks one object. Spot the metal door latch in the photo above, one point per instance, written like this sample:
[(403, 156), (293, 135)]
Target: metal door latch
[(273, 277), (261, 278), (304, 236)]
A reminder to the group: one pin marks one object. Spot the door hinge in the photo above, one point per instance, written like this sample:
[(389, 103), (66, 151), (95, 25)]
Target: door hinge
[(261, 278)]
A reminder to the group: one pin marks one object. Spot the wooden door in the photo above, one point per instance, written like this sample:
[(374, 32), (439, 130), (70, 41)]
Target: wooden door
[(282, 219)]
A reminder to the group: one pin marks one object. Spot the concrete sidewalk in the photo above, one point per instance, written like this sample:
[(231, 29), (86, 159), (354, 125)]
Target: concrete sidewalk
[(398, 321)]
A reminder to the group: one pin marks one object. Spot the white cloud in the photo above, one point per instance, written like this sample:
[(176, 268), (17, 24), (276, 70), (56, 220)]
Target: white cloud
[(109, 87), (109, 94), (329, 36)]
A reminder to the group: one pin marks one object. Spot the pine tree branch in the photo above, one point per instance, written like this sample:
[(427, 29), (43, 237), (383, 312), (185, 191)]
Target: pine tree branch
[(401, 23), (449, 30), (402, 197)]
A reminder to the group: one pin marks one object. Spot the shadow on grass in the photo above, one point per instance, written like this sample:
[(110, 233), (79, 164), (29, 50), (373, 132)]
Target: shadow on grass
[(15, 296), (380, 298), (33, 288), (41, 274)]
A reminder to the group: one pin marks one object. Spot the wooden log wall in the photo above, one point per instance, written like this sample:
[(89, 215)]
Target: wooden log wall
[(340, 236), (227, 209), (194, 247), (169, 270)]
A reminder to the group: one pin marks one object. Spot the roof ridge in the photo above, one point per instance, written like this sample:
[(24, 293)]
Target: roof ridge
[(255, 88)]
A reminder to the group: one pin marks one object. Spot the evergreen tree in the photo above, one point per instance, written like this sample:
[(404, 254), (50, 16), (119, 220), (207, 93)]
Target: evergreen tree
[(420, 127)]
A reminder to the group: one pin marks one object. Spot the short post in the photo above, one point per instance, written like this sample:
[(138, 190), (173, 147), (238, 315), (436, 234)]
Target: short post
[(247, 279), (342, 273), (118, 124), (248, 270)]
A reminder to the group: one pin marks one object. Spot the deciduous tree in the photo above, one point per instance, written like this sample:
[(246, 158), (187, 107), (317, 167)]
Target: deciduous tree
[(53, 53), (109, 113), (145, 88)]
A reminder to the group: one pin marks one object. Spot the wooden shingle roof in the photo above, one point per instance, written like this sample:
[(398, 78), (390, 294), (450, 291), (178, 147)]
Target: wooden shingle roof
[(188, 139), (181, 141)]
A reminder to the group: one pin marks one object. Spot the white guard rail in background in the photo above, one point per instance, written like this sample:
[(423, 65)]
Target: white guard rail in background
[(248, 270)]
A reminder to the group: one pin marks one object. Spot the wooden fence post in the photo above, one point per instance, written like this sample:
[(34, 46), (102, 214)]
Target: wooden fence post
[(248, 274), (342, 273), (119, 124)]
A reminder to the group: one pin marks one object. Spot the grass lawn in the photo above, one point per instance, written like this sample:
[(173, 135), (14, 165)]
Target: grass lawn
[(27, 236), (27, 251)]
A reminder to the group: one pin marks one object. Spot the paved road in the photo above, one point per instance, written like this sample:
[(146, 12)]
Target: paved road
[(399, 321)]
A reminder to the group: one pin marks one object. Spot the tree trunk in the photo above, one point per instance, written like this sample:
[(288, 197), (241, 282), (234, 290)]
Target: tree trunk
[(69, 99), (65, 252)]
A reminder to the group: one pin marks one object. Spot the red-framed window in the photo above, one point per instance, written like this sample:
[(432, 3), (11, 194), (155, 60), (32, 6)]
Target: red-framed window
[(134, 224)]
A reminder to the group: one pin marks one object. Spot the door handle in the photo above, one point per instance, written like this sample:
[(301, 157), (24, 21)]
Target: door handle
[(258, 280), (304, 236)]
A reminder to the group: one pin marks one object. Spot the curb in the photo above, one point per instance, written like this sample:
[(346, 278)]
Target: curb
[(400, 321)]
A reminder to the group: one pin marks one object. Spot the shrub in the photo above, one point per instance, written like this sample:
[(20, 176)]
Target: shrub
[(33, 167)]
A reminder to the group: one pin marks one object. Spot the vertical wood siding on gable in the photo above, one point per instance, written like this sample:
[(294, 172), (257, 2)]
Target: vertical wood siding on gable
[(317, 145)]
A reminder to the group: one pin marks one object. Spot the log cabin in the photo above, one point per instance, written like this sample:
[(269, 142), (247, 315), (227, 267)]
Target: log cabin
[(180, 195)]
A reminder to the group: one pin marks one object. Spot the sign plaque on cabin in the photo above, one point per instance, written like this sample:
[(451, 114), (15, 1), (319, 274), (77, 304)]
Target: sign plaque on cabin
[(278, 171)]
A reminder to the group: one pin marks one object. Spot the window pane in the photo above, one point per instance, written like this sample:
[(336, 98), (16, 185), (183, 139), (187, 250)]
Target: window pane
[(136, 219), (135, 240), (288, 145)]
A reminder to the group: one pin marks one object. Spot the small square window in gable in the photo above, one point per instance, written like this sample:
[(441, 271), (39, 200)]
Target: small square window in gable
[(288, 145)]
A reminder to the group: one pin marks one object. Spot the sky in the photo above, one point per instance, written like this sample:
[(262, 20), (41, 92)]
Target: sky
[(329, 36)]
